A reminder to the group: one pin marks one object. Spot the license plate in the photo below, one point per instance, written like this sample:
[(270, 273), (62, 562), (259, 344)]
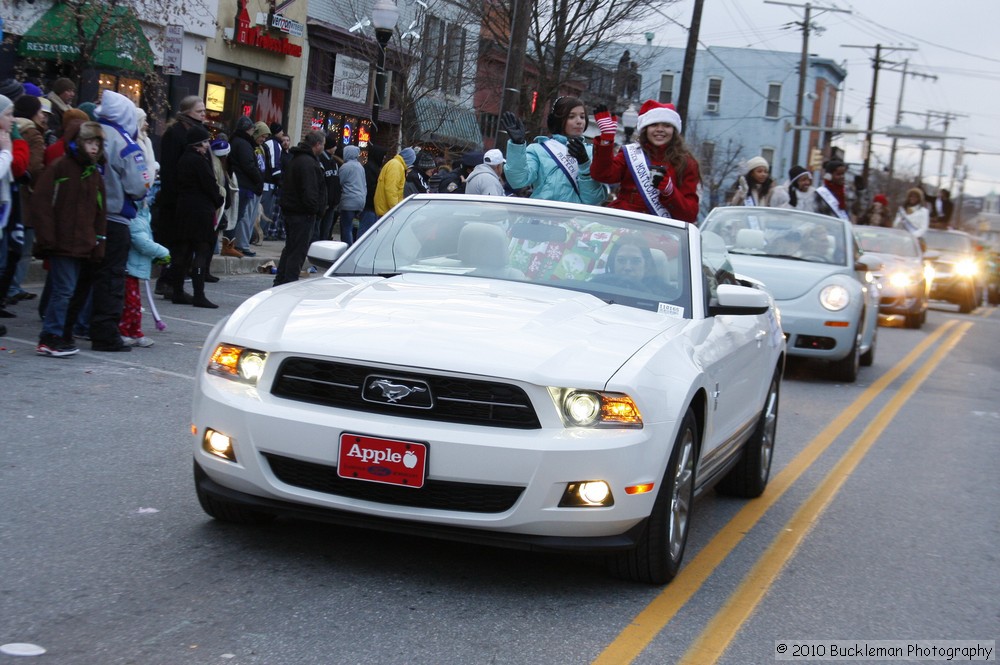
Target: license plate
[(382, 460)]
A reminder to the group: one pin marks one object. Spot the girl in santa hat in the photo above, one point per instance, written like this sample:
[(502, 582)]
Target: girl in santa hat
[(658, 174), (556, 168), (756, 187)]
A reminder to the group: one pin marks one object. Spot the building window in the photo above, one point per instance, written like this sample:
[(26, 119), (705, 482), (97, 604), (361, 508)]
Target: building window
[(768, 154), (714, 98), (707, 152), (773, 100), (442, 66), (320, 73), (488, 124), (666, 89)]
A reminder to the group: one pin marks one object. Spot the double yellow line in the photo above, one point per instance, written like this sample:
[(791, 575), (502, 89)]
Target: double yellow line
[(713, 641)]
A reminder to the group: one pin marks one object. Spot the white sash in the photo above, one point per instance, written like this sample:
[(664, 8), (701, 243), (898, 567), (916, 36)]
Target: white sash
[(636, 160), (565, 161), (831, 201), (905, 222), (749, 201)]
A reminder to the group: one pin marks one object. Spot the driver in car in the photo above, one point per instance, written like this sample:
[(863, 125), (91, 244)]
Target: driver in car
[(630, 265)]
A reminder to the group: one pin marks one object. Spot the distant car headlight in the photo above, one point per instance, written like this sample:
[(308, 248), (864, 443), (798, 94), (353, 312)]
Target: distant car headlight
[(237, 363), (901, 279), (966, 268), (834, 297), (591, 408), (928, 273)]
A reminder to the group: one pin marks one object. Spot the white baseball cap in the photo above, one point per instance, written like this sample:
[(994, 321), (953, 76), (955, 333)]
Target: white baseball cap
[(493, 157)]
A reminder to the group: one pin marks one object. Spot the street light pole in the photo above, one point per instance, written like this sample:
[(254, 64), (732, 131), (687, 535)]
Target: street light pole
[(385, 14), (630, 118)]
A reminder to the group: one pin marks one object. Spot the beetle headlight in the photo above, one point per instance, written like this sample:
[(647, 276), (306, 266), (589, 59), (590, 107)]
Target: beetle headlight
[(237, 363), (592, 408), (834, 297)]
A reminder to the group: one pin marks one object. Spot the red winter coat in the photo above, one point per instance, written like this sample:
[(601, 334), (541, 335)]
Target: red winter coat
[(613, 170)]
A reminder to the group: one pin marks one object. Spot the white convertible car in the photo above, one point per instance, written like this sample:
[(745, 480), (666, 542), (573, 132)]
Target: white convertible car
[(506, 371)]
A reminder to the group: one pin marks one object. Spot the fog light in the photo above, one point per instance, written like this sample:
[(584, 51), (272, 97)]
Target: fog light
[(587, 494), (219, 445)]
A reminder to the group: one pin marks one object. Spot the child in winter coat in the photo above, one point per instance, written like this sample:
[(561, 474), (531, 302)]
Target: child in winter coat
[(70, 228), (141, 256), (657, 174)]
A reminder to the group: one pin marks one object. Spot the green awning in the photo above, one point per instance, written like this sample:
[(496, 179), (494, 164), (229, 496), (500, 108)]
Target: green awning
[(441, 122), (65, 30)]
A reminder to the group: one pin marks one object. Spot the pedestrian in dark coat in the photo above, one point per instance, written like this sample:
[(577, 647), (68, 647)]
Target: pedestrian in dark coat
[(198, 199), (243, 162), (303, 199)]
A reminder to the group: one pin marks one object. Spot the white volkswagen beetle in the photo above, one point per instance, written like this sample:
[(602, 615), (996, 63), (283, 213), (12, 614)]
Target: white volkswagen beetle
[(508, 371)]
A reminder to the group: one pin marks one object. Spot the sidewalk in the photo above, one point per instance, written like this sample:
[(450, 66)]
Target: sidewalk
[(270, 250)]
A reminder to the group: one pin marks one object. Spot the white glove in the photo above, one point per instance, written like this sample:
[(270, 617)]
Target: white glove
[(742, 188)]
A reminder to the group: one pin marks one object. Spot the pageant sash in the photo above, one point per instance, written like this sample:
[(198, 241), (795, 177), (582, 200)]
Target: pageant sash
[(637, 165), (566, 162), (831, 201)]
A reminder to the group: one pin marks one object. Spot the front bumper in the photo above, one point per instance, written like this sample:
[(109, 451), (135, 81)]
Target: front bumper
[(272, 432)]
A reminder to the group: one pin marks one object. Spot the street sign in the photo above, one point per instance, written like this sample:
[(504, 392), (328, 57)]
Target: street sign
[(173, 50)]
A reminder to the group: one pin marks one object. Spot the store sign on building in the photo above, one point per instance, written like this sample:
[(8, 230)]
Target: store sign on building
[(256, 36), (350, 79)]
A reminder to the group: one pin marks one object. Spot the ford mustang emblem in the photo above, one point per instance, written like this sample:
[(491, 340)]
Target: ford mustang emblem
[(403, 392)]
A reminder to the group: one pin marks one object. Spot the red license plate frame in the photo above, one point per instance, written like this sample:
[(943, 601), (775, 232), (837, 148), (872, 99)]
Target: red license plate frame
[(386, 461)]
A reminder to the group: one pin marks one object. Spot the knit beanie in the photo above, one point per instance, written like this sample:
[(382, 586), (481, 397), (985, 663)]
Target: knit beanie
[(32, 89), (5, 103), (62, 84), (425, 161), (409, 156), (90, 108), (220, 147), (11, 89), (756, 162), (243, 124), (795, 173), (276, 128), (26, 106), (653, 112), (331, 141), (832, 165), (196, 134)]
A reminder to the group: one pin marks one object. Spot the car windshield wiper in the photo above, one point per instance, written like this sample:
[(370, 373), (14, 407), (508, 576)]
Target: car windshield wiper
[(788, 256)]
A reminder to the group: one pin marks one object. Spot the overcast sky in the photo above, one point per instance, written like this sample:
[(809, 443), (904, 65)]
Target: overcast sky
[(956, 41)]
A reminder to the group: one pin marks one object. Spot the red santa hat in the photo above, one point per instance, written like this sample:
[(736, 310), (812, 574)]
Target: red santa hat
[(653, 112)]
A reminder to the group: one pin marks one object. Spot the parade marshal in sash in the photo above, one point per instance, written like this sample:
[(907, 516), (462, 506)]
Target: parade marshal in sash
[(831, 196), (657, 175)]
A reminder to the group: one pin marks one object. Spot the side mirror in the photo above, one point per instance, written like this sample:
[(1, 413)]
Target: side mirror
[(932, 255), (867, 263), (324, 253), (736, 300)]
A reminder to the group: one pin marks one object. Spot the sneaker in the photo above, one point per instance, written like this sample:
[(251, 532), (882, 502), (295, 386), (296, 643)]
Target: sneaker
[(128, 341), (56, 347), (110, 347), (247, 252), (142, 342), (81, 334)]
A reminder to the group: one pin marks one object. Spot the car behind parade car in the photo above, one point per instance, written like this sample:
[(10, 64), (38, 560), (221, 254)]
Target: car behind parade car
[(957, 271), (812, 265), (506, 371), (905, 276)]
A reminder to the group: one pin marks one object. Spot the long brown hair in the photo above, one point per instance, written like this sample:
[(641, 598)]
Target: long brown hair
[(676, 152)]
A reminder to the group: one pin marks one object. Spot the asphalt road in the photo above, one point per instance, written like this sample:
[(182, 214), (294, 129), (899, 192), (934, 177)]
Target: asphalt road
[(881, 522)]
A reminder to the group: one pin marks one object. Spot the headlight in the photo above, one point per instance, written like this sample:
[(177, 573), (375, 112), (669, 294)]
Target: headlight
[(966, 268), (591, 408), (928, 273), (237, 363), (902, 279), (834, 297)]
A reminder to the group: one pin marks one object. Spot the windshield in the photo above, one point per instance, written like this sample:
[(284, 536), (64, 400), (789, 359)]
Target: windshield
[(888, 241), (616, 258), (780, 233), (943, 241)]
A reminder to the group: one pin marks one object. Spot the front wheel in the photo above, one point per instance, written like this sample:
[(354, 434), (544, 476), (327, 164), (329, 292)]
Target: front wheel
[(749, 477), (846, 369), (657, 556)]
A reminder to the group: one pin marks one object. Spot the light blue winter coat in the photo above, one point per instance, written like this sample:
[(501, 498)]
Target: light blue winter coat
[(143, 249), (353, 186), (531, 164)]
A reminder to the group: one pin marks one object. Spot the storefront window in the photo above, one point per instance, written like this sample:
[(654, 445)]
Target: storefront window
[(351, 129), (131, 88)]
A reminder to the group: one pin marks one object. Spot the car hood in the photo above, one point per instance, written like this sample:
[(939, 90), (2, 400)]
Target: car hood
[(453, 323), (786, 279), (892, 262)]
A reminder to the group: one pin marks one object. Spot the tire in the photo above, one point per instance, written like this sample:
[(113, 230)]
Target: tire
[(968, 302), (913, 321), (749, 477), (657, 556), (228, 511), (846, 369), (868, 357)]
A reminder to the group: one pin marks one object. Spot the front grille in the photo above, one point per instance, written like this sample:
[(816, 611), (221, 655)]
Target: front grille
[(438, 494), (455, 400)]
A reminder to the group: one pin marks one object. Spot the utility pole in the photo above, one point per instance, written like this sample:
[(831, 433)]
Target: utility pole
[(876, 65), (899, 111), (803, 65), (510, 100), (948, 117), (689, 56)]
